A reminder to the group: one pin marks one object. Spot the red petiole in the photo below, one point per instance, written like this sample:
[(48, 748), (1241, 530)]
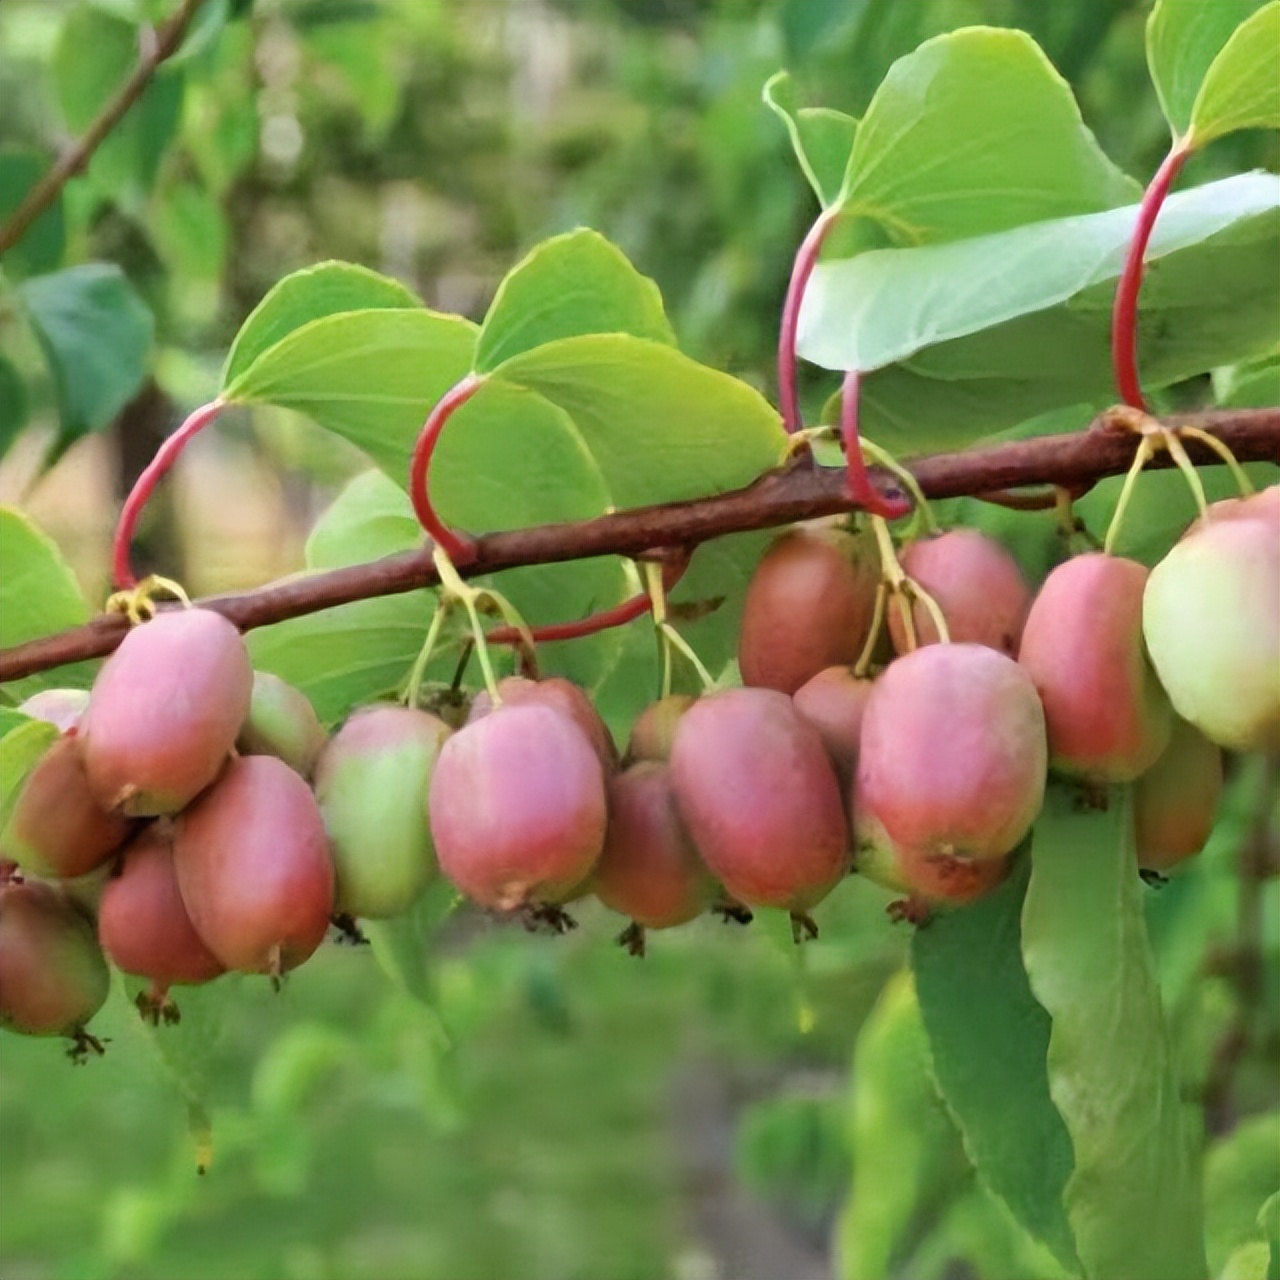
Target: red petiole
[(802, 269), (861, 490), (459, 549)]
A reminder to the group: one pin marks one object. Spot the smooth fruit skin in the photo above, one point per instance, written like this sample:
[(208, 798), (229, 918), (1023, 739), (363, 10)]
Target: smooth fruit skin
[(808, 606), (1211, 618), (61, 707), (53, 977), (253, 867), (517, 806), (1175, 801), (371, 783), (560, 695), (834, 702), (164, 712), (937, 880), (654, 729), (282, 723), (760, 798), (953, 756), (56, 827), (143, 924), (1107, 716), (649, 869), (978, 586)]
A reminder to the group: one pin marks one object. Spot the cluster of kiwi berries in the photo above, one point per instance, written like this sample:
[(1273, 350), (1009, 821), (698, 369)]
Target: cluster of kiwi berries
[(194, 818)]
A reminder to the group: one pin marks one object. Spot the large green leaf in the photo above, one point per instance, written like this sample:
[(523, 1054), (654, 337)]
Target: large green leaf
[(1242, 88), (988, 1038), (95, 54), (326, 289), (1133, 1199), (20, 751), (42, 245), (975, 132), (569, 285), (1183, 39), (906, 1154), (96, 334), (1241, 1170), (821, 138)]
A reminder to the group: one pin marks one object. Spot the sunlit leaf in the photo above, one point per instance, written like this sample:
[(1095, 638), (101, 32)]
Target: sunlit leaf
[(821, 138), (1241, 89)]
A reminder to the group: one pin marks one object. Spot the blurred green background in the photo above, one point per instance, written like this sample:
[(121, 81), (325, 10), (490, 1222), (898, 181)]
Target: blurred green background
[(506, 1106)]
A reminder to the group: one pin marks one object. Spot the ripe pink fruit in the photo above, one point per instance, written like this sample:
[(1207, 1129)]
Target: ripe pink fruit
[(953, 757), (56, 827), (928, 881), (834, 702), (517, 806), (759, 797), (164, 712), (371, 784), (560, 695), (253, 867), (654, 729), (649, 869), (53, 978), (976, 583), (1107, 716), (144, 927), (281, 723), (1174, 802), (809, 605)]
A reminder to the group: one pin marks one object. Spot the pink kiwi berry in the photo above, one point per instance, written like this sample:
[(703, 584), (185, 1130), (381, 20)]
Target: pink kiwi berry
[(371, 782), (833, 702), (1175, 801), (560, 695), (761, 800), (53, 977), (144, 927), (517, 806), (808, 606), (164, 712), (952, 758), (282, 723), (649, 869), (56, 827), (253, 867), (977, 585), (1108, 718)]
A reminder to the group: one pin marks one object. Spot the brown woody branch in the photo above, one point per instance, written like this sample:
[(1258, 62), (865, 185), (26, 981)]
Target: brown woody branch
[(798, 491), (158, 46)]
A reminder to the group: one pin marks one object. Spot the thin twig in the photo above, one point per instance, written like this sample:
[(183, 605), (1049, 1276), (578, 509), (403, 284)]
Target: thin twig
[(158, 46), (796, 491)]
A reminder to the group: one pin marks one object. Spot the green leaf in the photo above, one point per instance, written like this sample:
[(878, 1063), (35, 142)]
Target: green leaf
[(1133, 1199), (95, 54), (39, 595), (1269, 1224), (14, 406), (1248, 1262), (975, 132), (326, 289), (190, 231), (906, 1154), (45, 240), (96, 333), (20, 751), (1242, 88), (821, 138), (11, 718), (988, 1038), (1183, 39), (569, 285), (1241, 1170)]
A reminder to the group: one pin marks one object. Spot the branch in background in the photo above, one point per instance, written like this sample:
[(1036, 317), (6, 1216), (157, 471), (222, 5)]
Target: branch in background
[(158, 45), (798, 491)]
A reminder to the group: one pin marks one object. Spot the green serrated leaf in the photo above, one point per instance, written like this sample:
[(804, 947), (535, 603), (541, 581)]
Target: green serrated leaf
[(1183, 39), (1241, 89), (975, 132), (569, 285), (1133, 1200), (96, 334), (20, 751), (45, 240), (326, 289), (906, 1152), (989, 1059), (821, 138)]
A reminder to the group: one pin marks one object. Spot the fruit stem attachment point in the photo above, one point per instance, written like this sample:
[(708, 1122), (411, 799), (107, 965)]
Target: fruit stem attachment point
[(1124, 315), (905, 590), (675, 638), (805, 261), (1210, 441), (138, 602), (882, 457), (122, 575), (459, 549), (454, 586)]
